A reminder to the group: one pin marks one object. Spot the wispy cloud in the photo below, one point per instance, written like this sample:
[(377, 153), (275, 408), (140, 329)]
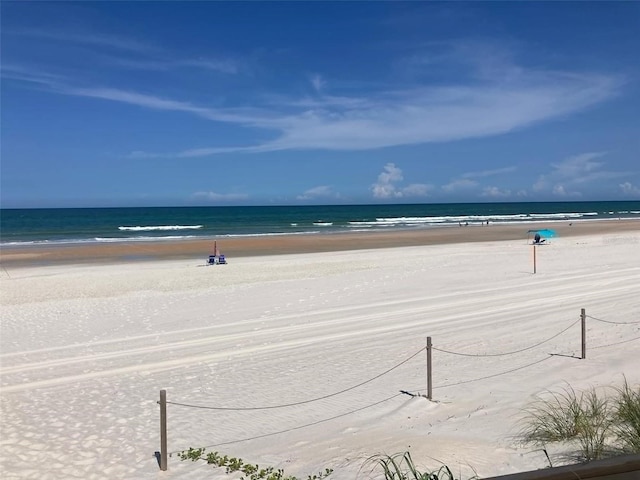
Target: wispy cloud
[(468, 181), (159, 103), (495, 192), (130, 53), (219, 197), (459, 184), (384, 117), (442, 114), (628, 188), (417, 190), (567, 175), (104, 40), (322, 191), (317, 82), (489, 173), (425, 115), (30, 75), (166, 63)]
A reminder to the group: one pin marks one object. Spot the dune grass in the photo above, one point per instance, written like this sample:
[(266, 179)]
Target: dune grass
[(402, 467), (627, 418), (390, 467), (591, 424)]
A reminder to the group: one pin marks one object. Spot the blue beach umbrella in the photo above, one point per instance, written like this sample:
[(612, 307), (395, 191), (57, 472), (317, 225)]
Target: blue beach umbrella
[(540, 235)]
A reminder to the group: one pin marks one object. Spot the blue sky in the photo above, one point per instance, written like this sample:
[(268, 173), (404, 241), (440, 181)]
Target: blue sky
[(264, 103)]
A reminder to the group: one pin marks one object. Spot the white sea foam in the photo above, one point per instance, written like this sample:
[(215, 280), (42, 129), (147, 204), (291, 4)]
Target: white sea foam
[(151, 228), (517, 218), (142, 238)]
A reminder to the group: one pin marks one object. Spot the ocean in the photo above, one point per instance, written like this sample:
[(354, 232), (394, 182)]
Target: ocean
[(102, 225)]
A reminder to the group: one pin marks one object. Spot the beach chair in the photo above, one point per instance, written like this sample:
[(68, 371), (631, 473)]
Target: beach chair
[(537, 240), (222, 260), (212, 260)]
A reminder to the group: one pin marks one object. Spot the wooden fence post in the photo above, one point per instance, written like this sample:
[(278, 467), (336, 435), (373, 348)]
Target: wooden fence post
[(429, 389), (163, 430), (583, 321)]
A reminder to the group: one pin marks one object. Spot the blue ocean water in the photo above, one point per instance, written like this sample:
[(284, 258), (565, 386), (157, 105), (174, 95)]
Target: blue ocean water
[(79, 225)]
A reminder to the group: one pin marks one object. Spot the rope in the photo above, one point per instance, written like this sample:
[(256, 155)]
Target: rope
[(506, 353), (295, 428), (618, 343), (494, 375), (205, 407), (609, 321)]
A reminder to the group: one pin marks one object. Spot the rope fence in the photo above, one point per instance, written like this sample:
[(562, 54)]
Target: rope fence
[(295, 428), (164, 454), (304, 401), (496, 374), (612, 323), (506, 353)]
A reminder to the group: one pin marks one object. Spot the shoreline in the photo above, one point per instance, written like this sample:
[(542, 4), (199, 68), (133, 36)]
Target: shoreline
[(126, 252)]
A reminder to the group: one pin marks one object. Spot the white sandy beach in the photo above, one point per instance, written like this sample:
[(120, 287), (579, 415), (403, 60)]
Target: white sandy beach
[(85, 350)]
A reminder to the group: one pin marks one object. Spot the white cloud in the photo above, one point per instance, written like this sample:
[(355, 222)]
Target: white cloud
[(417, 190), (385, 118), (573, 172), (318, 82), (16, 72), (388, 185), (495, 192), (219, 197), (135, 54), (114, 42), (489, 173), (560, 191), (322, 191), (629, 189), (385, 187), (391, 174), (467, 182), (152, 102), (415, 116), (166, 63), (578, 166), (460, 184)]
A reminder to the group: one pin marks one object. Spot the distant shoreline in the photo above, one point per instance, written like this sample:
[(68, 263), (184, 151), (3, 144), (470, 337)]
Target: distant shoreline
[(126, 252)]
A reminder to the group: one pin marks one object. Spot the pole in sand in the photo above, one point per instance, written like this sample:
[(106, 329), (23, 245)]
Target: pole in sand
[(163, 430), (429, 389), (583, 321)]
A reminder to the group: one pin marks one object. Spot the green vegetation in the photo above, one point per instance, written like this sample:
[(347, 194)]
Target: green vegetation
[(393, 467), (626, 426), (594, 425), (247, 470), (402, 467)]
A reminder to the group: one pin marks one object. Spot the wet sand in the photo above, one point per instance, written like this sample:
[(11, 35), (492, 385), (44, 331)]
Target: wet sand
[(296, 244)]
